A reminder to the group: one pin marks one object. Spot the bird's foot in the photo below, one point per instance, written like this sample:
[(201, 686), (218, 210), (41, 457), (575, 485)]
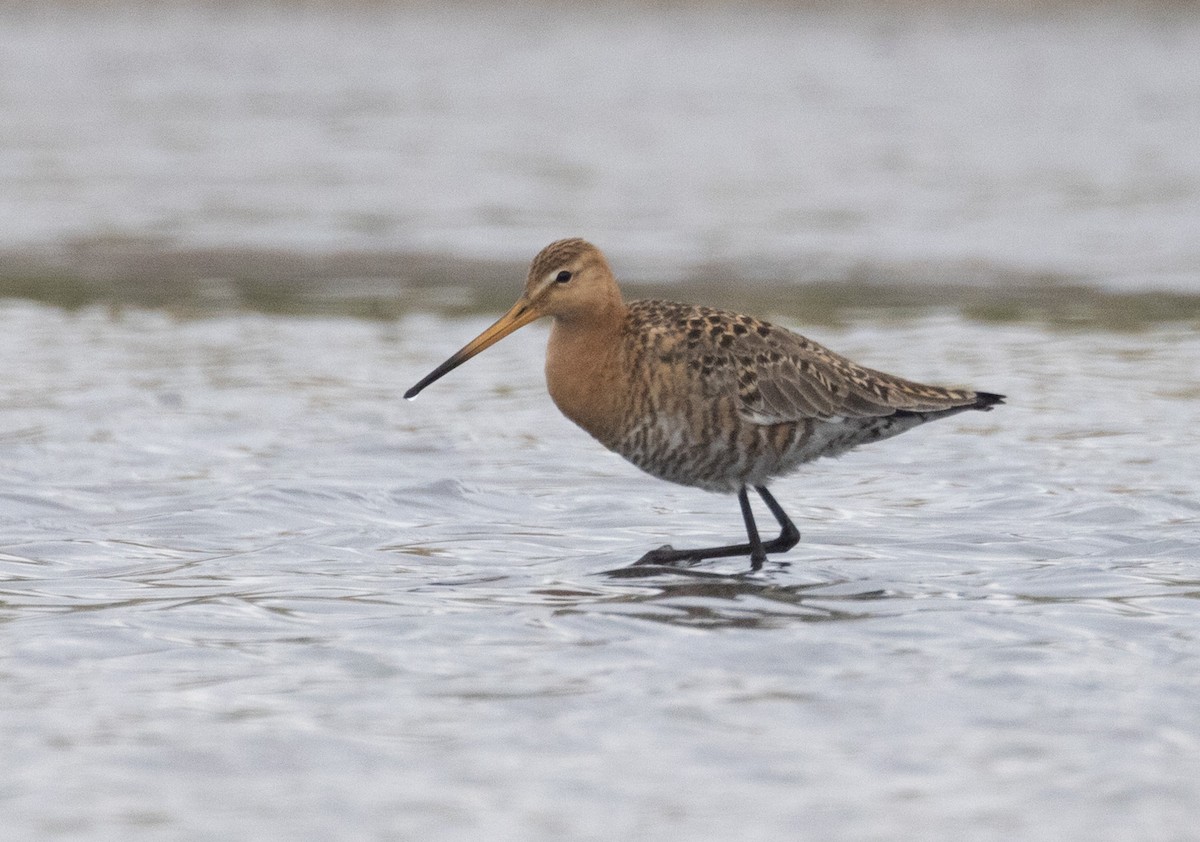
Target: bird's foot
[(666, 555)]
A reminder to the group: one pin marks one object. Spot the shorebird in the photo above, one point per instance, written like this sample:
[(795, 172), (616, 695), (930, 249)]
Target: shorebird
[(703, 397)]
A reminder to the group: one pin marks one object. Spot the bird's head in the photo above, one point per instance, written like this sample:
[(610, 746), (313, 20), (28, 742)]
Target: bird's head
[(569, 280)]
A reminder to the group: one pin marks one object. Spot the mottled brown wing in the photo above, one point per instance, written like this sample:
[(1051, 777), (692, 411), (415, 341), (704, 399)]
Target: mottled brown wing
[(785, 377), (778, 375)]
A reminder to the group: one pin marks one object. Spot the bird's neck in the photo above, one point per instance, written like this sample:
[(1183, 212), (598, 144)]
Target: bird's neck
[(583, 369)]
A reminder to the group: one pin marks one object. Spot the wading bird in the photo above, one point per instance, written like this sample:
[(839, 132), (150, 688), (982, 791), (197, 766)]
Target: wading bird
[(703, 397)]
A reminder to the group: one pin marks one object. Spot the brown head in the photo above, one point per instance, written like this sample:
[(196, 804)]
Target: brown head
[(569, 280)]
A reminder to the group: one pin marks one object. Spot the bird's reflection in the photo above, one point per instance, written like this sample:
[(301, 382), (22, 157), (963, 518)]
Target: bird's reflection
[(705, 598)]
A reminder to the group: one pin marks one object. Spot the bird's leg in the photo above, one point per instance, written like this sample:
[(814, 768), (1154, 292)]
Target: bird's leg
[(789, 535), (755, 548), (757, 554)]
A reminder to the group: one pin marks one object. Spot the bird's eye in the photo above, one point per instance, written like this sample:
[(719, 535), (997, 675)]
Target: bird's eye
[(562, 277)]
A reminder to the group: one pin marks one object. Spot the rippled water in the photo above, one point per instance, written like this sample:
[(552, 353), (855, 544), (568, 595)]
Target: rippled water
[(249, 593)]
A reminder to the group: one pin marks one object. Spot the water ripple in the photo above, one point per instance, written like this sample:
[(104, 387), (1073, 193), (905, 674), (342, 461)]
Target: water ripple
[(289, 581)]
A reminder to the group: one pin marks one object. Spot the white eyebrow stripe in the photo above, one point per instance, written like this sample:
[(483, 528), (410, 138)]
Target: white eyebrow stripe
[(546, 283)]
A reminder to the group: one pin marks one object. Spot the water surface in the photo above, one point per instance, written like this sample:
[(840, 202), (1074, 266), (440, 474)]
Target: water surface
[(250, 592)]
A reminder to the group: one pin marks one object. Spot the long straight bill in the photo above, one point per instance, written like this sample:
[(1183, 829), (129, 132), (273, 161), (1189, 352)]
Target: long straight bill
[(520, 315)]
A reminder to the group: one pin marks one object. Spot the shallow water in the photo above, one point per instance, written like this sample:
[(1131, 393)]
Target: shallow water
[(246, 592), (250, 593)]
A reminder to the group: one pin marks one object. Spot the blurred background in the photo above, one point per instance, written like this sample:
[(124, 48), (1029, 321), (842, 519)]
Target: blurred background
[(310, 154)]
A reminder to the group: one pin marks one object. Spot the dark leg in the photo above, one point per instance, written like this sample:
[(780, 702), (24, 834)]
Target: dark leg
[(789, 536), (757, 554)]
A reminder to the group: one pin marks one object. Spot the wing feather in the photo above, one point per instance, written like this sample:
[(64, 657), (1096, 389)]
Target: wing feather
[(780, 376), (796, 379)]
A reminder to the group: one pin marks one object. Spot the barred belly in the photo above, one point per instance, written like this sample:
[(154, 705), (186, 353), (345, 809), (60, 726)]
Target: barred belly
[(742, 453)]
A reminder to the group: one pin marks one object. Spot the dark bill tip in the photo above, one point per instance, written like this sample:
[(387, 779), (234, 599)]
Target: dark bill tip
[(519, 315), (449, 365)]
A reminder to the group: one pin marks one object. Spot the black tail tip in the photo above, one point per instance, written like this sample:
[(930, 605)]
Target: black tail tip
[(986, 400)]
